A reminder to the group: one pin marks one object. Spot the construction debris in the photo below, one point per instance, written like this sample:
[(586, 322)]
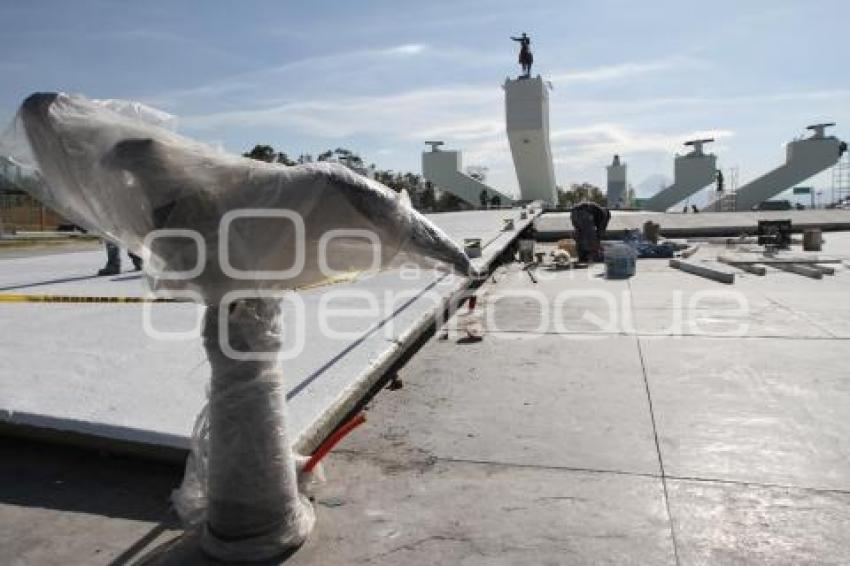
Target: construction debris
[(775, 234), (561, 259), (826, 270), (568, 245), (689, 251), (812, 240), (651, 231), (804, 270), (645, 248), (737, 259), (709, 272), (754, 268)]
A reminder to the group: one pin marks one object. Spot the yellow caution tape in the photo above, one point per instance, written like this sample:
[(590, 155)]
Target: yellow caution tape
[(346, 277), (25, 298), (12, 298)]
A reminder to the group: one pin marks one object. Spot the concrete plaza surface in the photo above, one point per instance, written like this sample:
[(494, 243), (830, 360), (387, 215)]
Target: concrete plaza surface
[(664, 419)]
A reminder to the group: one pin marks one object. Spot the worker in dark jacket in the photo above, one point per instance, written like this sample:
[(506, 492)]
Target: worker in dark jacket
[(589, 223)]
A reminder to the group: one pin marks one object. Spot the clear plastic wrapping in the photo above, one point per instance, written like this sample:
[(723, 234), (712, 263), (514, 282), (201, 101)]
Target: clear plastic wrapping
[(247, 489), (207, 221), (214, 224)]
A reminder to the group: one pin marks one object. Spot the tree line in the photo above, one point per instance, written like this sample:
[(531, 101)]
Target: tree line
[(422, 193)]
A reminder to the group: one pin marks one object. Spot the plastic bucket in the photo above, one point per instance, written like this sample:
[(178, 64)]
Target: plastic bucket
[(620, 261)]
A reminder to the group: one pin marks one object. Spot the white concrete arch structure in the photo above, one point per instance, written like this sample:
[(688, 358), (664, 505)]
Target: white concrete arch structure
[(692, 172), (444, 168), (803, 159)]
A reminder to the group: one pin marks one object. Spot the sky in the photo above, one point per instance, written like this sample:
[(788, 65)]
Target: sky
[(381, 77)]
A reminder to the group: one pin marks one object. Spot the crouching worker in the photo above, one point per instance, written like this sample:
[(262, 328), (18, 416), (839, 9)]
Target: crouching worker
[(589, 223)]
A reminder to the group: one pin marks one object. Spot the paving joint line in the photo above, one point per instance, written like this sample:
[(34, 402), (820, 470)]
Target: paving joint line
[(503, 464), (804, 316), (604, 471), (681, 335), (655, 437), (762, 485)]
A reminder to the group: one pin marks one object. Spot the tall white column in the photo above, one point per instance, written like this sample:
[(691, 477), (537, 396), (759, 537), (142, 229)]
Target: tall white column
[(616, 183), (527, 120)]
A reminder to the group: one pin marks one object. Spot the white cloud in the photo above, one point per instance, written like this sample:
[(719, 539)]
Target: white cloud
[(410, 49), (595, 144), (262, 80), (589, 107), (624, 70), (463, 130), (414, 114)]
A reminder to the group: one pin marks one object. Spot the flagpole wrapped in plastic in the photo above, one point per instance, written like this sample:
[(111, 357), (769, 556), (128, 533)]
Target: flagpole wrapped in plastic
[(232, 233)]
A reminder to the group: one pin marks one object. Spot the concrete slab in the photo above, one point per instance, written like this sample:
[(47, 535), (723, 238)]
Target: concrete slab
[(458, 513), (576, 301), (834, 321), (668, 289), (46, 270), (87, 369), (752, 410), (549, 400), (462, 513), (748, 524), (746, 321), (64, 506), (95, 370)]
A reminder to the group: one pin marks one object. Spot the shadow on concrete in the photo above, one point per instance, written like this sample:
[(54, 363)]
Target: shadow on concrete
[(186, 549), (49, 282), (50, 476), (133, 276)]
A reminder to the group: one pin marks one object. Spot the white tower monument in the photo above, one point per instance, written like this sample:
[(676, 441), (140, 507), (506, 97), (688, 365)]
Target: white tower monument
[(527, 119), (616, 184)]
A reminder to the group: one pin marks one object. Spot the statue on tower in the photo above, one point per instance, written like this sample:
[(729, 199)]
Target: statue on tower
[(525, 57)]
